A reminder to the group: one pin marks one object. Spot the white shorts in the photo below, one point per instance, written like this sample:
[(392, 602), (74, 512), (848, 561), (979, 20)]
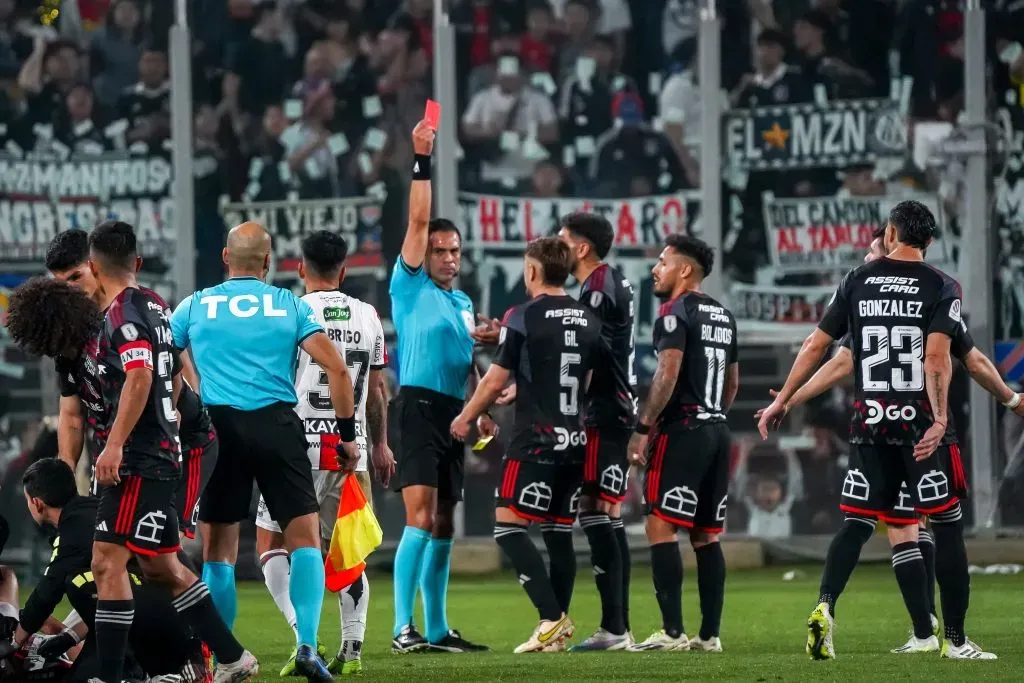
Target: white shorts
[(328, 494)]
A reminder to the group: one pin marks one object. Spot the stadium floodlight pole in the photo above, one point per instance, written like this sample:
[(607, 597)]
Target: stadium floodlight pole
[(976, 269), (709, 50), (446, 172), (181, 153)]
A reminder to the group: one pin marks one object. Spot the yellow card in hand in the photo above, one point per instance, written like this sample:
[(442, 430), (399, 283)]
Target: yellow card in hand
[(482, 443)]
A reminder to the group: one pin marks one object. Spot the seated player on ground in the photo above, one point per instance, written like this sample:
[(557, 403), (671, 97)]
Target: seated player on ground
[(549, 345), (159, 640)]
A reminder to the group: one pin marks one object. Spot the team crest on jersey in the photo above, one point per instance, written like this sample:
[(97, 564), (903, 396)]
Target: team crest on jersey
[(337, 314), (131, 333), (467, 317), (954, 310), (670, 322)]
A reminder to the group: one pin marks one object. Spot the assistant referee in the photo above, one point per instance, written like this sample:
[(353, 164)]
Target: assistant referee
[(244, 336), (435, 354)]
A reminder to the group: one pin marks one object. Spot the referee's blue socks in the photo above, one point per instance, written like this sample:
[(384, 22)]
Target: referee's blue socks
[(408, 565), (306, 587), (219, 577), (434, 585)]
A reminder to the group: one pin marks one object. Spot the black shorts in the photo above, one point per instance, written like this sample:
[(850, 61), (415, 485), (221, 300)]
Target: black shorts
[(266, 445), (196, 469), (606, 466), (885, 482), (139, 514), (427, 454), (686, 481), (540, 492)]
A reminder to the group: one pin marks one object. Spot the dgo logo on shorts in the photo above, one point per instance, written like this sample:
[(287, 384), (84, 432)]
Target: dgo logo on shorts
[(876, 413), (564, 438)]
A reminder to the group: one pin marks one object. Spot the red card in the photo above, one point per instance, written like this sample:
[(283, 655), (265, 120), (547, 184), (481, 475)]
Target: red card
[(433, 114)]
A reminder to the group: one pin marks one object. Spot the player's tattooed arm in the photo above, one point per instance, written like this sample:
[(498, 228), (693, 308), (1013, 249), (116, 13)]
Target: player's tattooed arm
[(662, 386), (376, 408), (70, 431), (938, 370)]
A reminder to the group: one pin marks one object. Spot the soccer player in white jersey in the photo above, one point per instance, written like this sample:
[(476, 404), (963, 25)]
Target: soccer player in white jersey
[(355, 329)]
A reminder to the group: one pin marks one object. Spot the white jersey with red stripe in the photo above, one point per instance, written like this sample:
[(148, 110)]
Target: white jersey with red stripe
[(354, 328)]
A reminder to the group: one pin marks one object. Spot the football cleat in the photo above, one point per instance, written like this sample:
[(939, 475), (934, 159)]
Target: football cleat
[(408, 641), (454, 642), (661, 641), (712, 644), (311, 666), (289, 667), (602, 641), (935, 626), (916, 645), (546, 633), (819, 633), (352, 667), (966, 651), (245, 668)]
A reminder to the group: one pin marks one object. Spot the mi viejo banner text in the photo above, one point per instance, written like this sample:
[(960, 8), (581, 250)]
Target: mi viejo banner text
[(639, 222)]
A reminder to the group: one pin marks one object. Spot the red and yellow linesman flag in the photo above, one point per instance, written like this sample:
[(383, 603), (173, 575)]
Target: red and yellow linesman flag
[(356, 534)]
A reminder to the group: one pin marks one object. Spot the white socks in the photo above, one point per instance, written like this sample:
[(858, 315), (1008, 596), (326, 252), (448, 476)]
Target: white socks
[(72, 620), (355, 602), (276, 571)]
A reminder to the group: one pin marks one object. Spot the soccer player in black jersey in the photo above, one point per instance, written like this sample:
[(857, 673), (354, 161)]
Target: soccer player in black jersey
[(609, 414), (902, 315), (140, 464), (549, 345), (67, 259), (687, 477)]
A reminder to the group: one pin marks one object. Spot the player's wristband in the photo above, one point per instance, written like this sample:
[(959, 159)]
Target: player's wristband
[(70, 633), (347, 428), (642, 429), (421, 167), (1013, 402)]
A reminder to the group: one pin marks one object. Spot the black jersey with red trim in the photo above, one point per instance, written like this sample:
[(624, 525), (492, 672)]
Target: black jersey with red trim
[(83, 377), (611, 398), (889, 307), (550, 344), (136, 335), (705, 331), (961, 344)]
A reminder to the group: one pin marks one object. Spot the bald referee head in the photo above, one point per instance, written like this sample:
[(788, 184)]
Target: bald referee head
[(248, 251)]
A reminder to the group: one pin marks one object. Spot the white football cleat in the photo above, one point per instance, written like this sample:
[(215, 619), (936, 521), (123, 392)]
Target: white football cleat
[(966, 651), (245, 668), (547, 633), (712, 644), (661, 641), (917, 645)]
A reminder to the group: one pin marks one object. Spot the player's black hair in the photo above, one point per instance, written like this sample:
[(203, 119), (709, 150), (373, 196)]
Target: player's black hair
[(696, 249), (914, 222), (114, 242), (69, 249), (48, 317), (443, 225), (324, 252), (50, 480), (878, 233), (592, 227), (554, 258)]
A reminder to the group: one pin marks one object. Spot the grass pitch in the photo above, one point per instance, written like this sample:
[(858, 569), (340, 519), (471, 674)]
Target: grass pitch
[(763, 632)]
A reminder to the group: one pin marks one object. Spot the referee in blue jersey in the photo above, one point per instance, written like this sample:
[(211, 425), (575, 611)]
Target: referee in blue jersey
[(435, 353), (244, 337)]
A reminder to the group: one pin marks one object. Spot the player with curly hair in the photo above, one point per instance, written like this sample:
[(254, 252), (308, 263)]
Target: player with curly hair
[(51, 318)]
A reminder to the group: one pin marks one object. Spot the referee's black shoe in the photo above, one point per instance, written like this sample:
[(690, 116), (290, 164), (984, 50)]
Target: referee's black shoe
[(408, 641), (454, 642)]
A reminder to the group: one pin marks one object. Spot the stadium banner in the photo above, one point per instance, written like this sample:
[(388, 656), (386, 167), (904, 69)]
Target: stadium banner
[(835, 134), (357, 218), (43, 194), (830, 234), (639, 222)]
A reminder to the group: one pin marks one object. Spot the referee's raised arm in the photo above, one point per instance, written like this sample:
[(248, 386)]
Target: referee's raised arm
[(414, 247)]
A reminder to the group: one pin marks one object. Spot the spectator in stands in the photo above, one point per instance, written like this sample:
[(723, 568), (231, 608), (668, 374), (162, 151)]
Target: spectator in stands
[(79, 129), (15, 45), (585, 109), (580, 25), (400, 55), (858, 38), (307, 152), (775, 81), (47, 76), (507, 123), (613, 19), (536, 49), (146, 106), (316, 69), (355, 87), (547, 181), (115, 51), (679, 107), (931, 49), (421, 12), (632, 158), (503, 44), (819, 65), (259, 70)]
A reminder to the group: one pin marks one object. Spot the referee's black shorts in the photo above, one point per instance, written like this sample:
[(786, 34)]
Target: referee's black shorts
[(427, 454), (268, 445)]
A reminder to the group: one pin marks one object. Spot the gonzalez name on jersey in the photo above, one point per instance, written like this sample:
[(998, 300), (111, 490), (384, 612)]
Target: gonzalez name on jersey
[(354, 328)]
